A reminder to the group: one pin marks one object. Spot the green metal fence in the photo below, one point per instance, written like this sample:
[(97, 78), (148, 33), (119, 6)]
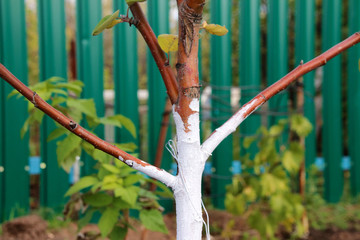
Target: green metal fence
[(260, 24)]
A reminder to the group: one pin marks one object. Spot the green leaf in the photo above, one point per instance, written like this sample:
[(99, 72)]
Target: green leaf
[(24, 128), (85, 219), (132, 179), (111, 168), (276, 130), (120, 121), (120, 204), (153, 220), (98, 199), (293, 157), (58, 132), (127, 147), (131, 2), (107, 221), (128, 194), (118, 233), (66, 147), (300, 125), (84, 182), (105, 22), (248, 141), (166, 191), (168, 42), (86, 106), (235, 204)]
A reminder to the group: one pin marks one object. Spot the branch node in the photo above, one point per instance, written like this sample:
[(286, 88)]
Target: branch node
[(34, 100), (134, 21), (263, 96), (72, 125), (301, 62)]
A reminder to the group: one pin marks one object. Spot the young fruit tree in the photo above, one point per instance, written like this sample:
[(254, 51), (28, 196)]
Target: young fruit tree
[(183, 90)]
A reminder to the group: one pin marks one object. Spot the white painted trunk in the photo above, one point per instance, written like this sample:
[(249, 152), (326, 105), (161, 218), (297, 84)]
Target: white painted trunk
[(187, 189)]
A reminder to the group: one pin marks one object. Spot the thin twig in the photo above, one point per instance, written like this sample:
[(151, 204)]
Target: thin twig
[(75, 128), (158, 54), (230, 126)]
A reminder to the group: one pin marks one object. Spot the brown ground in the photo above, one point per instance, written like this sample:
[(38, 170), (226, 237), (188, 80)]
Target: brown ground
[(32, 227)]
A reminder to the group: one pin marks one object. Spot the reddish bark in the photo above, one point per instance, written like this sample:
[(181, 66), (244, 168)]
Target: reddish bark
[(66, 122), (159, 56)]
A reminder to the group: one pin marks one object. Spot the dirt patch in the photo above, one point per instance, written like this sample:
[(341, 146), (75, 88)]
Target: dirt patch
[(25, 228)]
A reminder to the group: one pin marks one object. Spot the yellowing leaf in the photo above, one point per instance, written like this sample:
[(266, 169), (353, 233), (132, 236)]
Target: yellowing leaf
[(105, 22), (131, 2), (168, 42), (114, 22), (215, 29)]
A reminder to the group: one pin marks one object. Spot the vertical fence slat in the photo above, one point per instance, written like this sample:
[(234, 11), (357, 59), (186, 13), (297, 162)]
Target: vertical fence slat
[(158, 16), (54, 180), (332, 126), (2, 114), (277, 55), (221, 79), (305, 50), (15, 180), (125, 74), (90, 63), (250, 63), (354, 98)]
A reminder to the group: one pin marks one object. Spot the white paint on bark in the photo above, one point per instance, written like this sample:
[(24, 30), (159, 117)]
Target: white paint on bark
[(152, 171), (187, 190), (229, 127)]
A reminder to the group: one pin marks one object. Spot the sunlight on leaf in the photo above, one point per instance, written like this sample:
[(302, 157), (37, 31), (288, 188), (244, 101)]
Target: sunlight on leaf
[(131, 2), (105, 22), (168, 42), (215, 29)]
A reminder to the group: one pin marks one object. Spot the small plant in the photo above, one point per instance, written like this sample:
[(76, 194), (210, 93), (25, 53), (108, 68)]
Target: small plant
[(115, 188), (263, 193)]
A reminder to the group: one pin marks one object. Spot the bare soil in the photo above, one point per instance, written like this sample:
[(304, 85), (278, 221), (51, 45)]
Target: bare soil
[(223, 226)]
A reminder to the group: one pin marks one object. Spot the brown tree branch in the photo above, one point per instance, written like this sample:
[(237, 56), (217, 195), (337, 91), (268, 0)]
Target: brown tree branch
[(80, 131), (187, 66), (159, 56), (230, 126), (196, 5)]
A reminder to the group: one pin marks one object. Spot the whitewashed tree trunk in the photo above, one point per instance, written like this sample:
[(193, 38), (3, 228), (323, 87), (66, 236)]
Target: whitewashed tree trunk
[(187, 190)]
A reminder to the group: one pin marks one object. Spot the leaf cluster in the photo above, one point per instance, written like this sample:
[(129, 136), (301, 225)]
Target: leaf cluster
[(112, 192), (263, 191), (115, 188)]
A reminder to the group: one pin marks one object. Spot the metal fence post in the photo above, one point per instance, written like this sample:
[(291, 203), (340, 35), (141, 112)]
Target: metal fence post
[(126, 74), (249, 64), (14, 179), (277, 56), (158, 17), (332, 124), (52, 58), (221, 80), (90, 64), (305, 50), (354, 98)]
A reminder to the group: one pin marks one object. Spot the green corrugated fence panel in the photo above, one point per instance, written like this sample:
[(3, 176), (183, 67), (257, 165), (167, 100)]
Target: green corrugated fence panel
[(125, 74), (221, 80), (249, 64), (2, 108), (354, 98), (90, 63), (305, 50), (54, 180), (158, 16), (15, 151), (277, 55), (332, 126)]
